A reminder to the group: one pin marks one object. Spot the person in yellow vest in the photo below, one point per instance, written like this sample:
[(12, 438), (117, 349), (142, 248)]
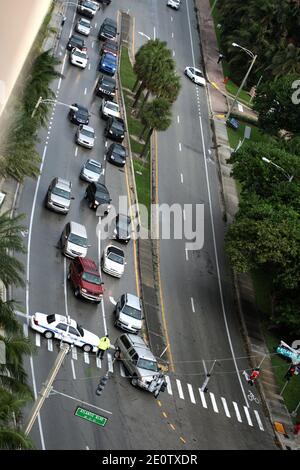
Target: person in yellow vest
[(104, 344)]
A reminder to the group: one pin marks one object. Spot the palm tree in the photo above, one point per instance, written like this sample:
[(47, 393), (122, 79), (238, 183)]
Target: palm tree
[(8, 320), (156, 115)]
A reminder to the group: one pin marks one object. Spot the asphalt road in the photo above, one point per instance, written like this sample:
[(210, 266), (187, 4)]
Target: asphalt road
[(135, 421)]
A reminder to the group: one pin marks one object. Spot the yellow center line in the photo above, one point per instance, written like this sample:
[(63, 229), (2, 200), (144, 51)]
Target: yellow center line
[(165, 414), (172, 426)]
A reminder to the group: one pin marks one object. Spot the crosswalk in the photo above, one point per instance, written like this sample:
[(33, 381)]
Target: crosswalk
[(175, 387)]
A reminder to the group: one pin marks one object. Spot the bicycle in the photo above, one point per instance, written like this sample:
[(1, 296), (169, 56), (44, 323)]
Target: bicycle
[(252, 397)]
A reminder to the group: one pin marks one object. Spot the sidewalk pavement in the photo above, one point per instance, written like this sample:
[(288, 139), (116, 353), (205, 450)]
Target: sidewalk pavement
[(255, 344)]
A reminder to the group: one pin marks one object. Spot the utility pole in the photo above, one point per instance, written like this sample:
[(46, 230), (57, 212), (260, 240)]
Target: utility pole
[(208, 375), (47, 386)]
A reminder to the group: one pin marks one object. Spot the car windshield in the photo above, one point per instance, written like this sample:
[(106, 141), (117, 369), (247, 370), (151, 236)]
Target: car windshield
[(84, 22), (108, 84), (78, 41), (118, 126), (116, 258), (82, 113), (102, 196), (110, 58), (111, 46), (148, 365), (197, 73), (132, 312), (87, 133), (80, 54), (119, 150), (123, 223), (92, 278), (94, 168), (90, 5), (61, 192), (77, 240), (113, 106)]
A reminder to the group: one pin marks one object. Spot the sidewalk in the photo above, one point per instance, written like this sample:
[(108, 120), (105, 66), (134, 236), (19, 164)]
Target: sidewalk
[(255, 344)]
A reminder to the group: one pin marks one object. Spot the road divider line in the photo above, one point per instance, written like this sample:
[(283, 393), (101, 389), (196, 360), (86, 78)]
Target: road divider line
[(89, 66), (203, 400), (86, 358), (169, 388), (50, 345), (179, 387), (172, 35), (258, 420), (193, 306), (85, 90), (178, 120), (73, 369), (171, 18), (186, 255), (181, 178), (213, 402), (93, 42), (38, 340), (225, 407), (173, 53), (76, 151), (237, 412), (179, 145), (191, 392), (248, 415)]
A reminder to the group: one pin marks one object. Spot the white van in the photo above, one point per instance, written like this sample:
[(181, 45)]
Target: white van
[(73, 240)]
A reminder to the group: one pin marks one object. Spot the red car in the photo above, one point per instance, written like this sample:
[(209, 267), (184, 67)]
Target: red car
[(85, 277), (110, 46)]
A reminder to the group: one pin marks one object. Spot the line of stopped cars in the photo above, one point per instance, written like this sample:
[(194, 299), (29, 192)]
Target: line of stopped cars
[(84, 274)]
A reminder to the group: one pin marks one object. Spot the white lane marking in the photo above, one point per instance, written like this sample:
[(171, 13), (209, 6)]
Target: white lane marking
[(172, 35), (96, 25), (98, 362), (173, 53), (93, 42), (193, 306), (76, 151), (65, 287), (183, 214), (112, 300), (178, 119), (85, 90), (258, 420), (73, 369), (237, 412), (50, 345), (145, 35), (103, 171), (225, 407), (171, 18), (86, 358), (110, 363), (38, 340), (89, 66), (169, 388), (25, 329), (191, 392), (179, 145), (104, 158), (179, 389), (106, 144), (122, 370), (74, 354), (213, 228), (181, 178), (213, 402), (99, 264), (248, 415), (59, 83), (186, 255), (154, 32), (203, 400)]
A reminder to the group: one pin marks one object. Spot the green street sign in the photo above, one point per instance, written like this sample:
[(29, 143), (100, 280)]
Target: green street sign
[(90, 416)]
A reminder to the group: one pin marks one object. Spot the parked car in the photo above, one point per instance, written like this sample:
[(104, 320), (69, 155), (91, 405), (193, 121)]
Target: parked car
[(175, 4), (73, 240), (85, 136), (86, 280), (87, 8), (106, 87), (195, 75), (115, 129), (108, 29), (113, 261), (109, 108), (104, 2), (110, 45), (83, 26), (98, 194), (58, 196), (79, 58), (108, 64), (128, 313), (91, 171), (123, 228), (116, 154), (81, 116), (64, 329), (76, 41)]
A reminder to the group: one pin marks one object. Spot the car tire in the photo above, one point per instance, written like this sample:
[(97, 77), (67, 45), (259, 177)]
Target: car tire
[(48, 334), (77, 292), (87, 347), (134, 381), (85, 195)]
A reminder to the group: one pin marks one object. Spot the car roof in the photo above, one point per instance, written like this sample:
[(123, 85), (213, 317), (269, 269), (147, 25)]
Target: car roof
[(89, 265), (117, 119), (141, 347), (63, 319), (116, 250), (88, 128), (133, 301), (101, 187), (93, 162), (63, 184), (78, 229), (78, 38), (110, 21), (85, 20)]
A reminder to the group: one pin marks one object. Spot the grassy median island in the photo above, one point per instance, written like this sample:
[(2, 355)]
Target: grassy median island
[(135, 128)]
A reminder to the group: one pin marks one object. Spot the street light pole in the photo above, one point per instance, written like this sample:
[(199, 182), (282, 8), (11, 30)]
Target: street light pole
[(289, 177), (50, 101), (254, 57)]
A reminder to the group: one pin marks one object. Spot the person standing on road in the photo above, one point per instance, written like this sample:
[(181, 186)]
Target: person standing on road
[(104, 344)]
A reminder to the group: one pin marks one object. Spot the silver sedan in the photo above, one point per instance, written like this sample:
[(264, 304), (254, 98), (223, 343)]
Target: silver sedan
[(91, 171)]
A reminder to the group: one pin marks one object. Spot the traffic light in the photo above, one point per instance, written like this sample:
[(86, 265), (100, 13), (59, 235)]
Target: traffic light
[(101, 385)]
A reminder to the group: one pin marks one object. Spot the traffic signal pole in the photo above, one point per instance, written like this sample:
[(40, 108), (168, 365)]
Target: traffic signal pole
[(47, 386)]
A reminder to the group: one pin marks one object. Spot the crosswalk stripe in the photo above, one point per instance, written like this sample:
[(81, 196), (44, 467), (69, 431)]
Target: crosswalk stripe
[(179, 389), (98, 362), (38, 339), (74, 354), (203, 400), (258, 420), (169, 385), (213, 402), (122, 370), (248, 416), (109, 361), (225, 407), (25, 329), (191, 392), (86, 358), (50, 345), (237, 412)]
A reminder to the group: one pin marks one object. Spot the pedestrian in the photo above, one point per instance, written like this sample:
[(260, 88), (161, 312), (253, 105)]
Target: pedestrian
[(63, 20), (254, 375), (221, 57), (104, 344)]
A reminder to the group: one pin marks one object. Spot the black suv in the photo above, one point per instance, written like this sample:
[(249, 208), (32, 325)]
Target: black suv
[(108, 29), (116, 154), (97, 194), (81, 116), (115, 129), (106, 87), (123, 228), (76, 41)]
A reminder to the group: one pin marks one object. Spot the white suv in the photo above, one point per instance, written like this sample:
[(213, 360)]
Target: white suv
[(109, 108), (79, 58), (174, 4)]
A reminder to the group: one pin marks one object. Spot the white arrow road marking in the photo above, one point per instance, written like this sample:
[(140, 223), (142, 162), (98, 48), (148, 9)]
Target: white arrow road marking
[(204, 404), (25, 329), (258, 420), (38, 339), (86, 358), (50, 345), (248, 416), (225, 407), (109, 361), (237, 412), (145, 35), (98, 362), (169, 385), (179, 389), (213, 402), (192, 396), (112, 300), (74, 354)]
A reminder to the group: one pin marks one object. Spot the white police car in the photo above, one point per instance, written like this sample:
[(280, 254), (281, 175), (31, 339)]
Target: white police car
[(195, 75), (64, 329)]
